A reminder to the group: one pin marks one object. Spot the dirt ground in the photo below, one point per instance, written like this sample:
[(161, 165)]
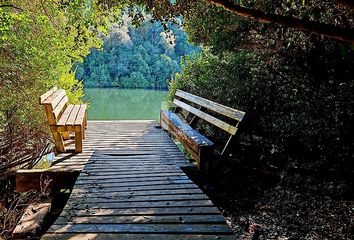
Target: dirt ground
[(257, 209)]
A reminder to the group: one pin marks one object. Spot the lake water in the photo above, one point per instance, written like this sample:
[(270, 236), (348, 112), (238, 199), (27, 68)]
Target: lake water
[(124, 104)]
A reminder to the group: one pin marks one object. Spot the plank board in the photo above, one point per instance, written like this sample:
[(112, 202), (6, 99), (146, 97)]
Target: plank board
[(80, 115), (115, 236), (195, 143), (142, 228), (64, 118), (47, 94), (156, 211), (55, 98), (193, 136), (131, 186), (27, 180), (216, 107), (72, 117), (168, 219), (32, 220), (213, 120), (60, 107)]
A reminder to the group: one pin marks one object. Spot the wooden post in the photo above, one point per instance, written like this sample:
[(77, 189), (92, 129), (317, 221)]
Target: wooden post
[(83, 131), (205, 159), (31, 179), (59, 142), (85, 120), (78, 141)]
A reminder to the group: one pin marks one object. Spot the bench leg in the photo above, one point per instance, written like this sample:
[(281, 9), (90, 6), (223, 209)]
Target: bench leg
[(83, 132), (59, 143), (205, 159), (85, 120), (78, 141), (65, 135)]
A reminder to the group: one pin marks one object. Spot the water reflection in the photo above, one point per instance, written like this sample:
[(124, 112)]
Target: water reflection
[(124, 104)]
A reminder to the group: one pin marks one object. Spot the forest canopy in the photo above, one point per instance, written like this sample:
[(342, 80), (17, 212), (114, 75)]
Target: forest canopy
[(143, 56), (330, 19)]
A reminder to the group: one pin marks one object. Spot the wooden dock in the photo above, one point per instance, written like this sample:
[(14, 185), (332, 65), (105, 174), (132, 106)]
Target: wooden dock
[(131, 186)]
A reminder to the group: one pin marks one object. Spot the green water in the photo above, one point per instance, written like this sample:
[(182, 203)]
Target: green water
[(124, 104)]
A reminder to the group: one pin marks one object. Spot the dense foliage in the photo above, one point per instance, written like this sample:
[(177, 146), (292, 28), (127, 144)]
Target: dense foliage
[(136, 57), (306, 16), (296, 91), (39, 41)]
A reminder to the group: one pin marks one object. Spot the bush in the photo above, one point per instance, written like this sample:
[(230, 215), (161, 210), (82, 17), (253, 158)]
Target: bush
[(37, 54), (289, 122)]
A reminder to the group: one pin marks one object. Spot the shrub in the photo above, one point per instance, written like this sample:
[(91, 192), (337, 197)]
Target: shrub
[(290, 122)]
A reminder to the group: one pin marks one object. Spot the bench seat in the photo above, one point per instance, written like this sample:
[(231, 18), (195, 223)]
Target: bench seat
[(195, 143), (71, 119)]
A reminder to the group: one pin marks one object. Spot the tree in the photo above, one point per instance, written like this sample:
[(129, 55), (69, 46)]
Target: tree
[(139, 57), (318, 28), (39, 41), (169, 9)]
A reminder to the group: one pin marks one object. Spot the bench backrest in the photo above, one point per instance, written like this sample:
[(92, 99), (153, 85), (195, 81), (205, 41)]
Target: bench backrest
[(55, 102), (210, 105), (181, 99)]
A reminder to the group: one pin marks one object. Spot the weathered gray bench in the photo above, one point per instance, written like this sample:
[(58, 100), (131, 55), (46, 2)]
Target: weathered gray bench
[(196, 144)]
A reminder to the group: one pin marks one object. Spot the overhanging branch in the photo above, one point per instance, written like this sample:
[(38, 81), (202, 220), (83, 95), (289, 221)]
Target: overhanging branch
[(330, 31), (10, 6)]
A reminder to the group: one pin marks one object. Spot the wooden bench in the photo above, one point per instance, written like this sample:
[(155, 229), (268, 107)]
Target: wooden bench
[(64, 118), (196, 144)]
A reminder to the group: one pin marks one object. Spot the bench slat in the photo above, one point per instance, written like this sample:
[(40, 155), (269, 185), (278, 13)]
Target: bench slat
[(187, 130), (195, 143), (47, 94), (55, 98), (73, 115), (220, 124), (56, 101), (60, 107), (65, 115), (81, 115), (216, 107)]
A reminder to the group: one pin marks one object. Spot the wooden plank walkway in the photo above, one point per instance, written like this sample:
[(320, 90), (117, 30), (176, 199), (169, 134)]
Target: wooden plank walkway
[(131, 186)]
